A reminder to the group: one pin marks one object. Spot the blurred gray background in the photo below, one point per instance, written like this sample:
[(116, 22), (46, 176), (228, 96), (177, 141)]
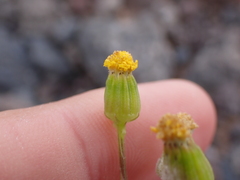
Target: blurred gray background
[(52, 49)]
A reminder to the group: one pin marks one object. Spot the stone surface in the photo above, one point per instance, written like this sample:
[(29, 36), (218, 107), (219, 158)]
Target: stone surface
[(235, 133), (139, 35), (168, 12), (217, 69), (83, 7), (63, 29), (44, 55), (15, 71), (214, 158), (16, 99), (36, 16), (107, 6), (235, 159), (40, 16)]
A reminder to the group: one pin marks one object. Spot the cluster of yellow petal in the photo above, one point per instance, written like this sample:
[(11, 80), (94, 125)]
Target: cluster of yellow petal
[(121, 61), (174, 127)]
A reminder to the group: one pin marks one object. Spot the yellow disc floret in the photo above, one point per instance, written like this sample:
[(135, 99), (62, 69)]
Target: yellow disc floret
[(121, 61), (174, 127)]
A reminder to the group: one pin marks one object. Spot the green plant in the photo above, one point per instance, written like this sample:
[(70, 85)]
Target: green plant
[(121, 98), (182, 158)]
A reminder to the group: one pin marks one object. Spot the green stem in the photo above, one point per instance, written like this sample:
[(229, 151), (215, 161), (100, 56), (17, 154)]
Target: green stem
[(122, 159)]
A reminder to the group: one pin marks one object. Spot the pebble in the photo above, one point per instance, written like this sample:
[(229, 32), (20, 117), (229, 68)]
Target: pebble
[(45, 56), (235, 133), (214, 157), (235, 159), (15, 71), (216, 67), (15, 100), (107, 6), (39, 17), (63, 29)]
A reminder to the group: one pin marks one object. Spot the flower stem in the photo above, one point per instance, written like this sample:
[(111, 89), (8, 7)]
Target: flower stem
[(122, 159)]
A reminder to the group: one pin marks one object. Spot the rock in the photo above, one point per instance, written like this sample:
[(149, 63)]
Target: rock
[(14, 100), (168, 12), (227, 169), (9, 15), (37, 9), (6, 9), (15, 72), (38, 17), (235, 132), (82, 6), (235, 160), (138, 4), (107, 6), (217, 68), (227, 96), (63, 29), (46, 57), (214, 158), (231, 14), (141, 35)]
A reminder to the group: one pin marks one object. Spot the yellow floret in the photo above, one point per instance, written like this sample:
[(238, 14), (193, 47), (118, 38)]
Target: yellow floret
[(121, 61), (174, 126)]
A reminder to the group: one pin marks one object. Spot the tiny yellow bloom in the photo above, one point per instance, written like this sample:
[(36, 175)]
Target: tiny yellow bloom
[(121, 98), (182, 158), (121, 61), (174, 127)]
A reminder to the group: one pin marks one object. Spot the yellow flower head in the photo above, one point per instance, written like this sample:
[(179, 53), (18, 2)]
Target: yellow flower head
[(174, 127), (121, 61)]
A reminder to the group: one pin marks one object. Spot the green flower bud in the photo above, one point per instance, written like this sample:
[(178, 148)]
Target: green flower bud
[(122, 101), (182, 158)]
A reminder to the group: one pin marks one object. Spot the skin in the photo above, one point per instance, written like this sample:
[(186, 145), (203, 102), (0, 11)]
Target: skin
[(72, 139)]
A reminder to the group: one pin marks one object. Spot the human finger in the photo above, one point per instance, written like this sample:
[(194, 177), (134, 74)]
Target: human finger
[(72, 139)]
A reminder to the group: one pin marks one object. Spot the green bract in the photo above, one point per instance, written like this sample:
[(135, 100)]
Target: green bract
[(184, 161), (182, 158), (122, 102), (121, 98)]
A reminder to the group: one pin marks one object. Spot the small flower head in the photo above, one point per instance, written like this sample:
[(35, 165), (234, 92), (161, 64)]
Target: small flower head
[(121, 61), (175, 126), (182, 159), (122, 101)]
